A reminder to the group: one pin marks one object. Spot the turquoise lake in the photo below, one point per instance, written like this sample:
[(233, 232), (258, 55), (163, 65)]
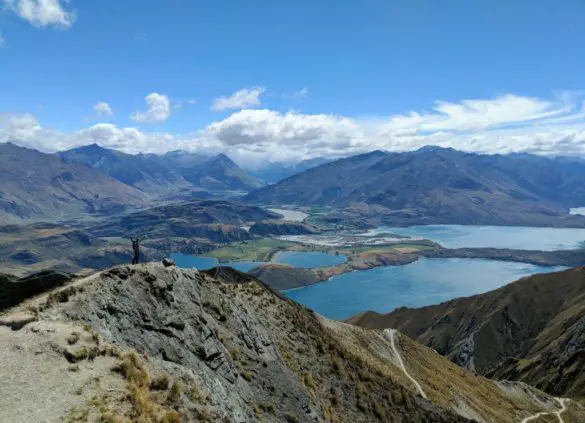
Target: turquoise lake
[(514, 237), (187, 261), (424, 282), (305, 260)]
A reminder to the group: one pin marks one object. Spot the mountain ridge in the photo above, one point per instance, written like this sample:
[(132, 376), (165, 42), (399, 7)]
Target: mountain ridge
[(437, 185), (162, 174), (35, 185), (221, 346), (532, 330)]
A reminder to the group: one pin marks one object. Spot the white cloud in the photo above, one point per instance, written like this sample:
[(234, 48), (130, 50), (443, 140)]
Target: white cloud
[(302, 93), (247, 97), (103, 109), (181, 103), (42, 13), (503, 124), (159, 109)]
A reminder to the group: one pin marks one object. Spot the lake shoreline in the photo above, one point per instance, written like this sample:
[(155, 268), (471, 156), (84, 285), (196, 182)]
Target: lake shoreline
[(569, 258)]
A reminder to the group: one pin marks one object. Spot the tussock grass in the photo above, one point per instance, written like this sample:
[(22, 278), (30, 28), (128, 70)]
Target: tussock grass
[(132, 368), (308, 380), (267, 408), (160, 383), (73, 338), (61, 296), (146, 406), (176, 392)]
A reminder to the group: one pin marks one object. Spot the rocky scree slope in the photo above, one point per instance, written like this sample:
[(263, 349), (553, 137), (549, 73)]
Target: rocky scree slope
[(532, 330), (149, 343)]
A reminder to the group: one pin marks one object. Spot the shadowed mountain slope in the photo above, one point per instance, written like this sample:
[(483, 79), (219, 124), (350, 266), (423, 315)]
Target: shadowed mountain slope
[(34, 185), (217, 173), (436, 185)]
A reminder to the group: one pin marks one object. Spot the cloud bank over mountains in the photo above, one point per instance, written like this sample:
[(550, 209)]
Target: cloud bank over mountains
[(504, 124)]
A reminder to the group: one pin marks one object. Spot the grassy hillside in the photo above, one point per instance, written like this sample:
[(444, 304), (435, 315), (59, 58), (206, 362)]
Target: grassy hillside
[(532, 330)]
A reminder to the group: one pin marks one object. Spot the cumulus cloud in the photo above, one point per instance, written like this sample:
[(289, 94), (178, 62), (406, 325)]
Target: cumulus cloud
[(103, 109), (503, 124), (42, 13), (247, 97), (158, 109)]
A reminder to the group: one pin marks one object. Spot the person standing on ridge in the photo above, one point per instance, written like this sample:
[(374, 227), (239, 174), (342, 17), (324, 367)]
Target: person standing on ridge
[(136, 249)]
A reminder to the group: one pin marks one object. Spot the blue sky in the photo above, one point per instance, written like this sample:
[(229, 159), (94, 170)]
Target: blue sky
[(319, 77)]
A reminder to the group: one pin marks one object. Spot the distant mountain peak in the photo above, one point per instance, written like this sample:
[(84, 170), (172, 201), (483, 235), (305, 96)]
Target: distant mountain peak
[(176, 153), (93, 149), (434, 149), (223, 160), (14, 145), (375, 153)]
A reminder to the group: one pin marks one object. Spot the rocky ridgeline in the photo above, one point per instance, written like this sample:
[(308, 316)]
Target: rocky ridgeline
[(282, 227), (154, 343)]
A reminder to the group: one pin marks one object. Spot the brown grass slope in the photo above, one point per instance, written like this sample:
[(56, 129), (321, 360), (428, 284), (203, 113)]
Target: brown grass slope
[(153, 344), (532, 330)]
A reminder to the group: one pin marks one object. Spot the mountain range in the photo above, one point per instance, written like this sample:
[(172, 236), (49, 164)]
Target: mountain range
[(427, 186), (532, 330), (97, 180), (438, 185), (273, 172), (34, 185), (163, 174)]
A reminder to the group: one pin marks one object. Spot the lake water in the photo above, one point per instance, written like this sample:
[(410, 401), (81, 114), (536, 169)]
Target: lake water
[(292, 215), (309, 260), (424, 282), (305, 260), (515, 237), (187, 261)]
